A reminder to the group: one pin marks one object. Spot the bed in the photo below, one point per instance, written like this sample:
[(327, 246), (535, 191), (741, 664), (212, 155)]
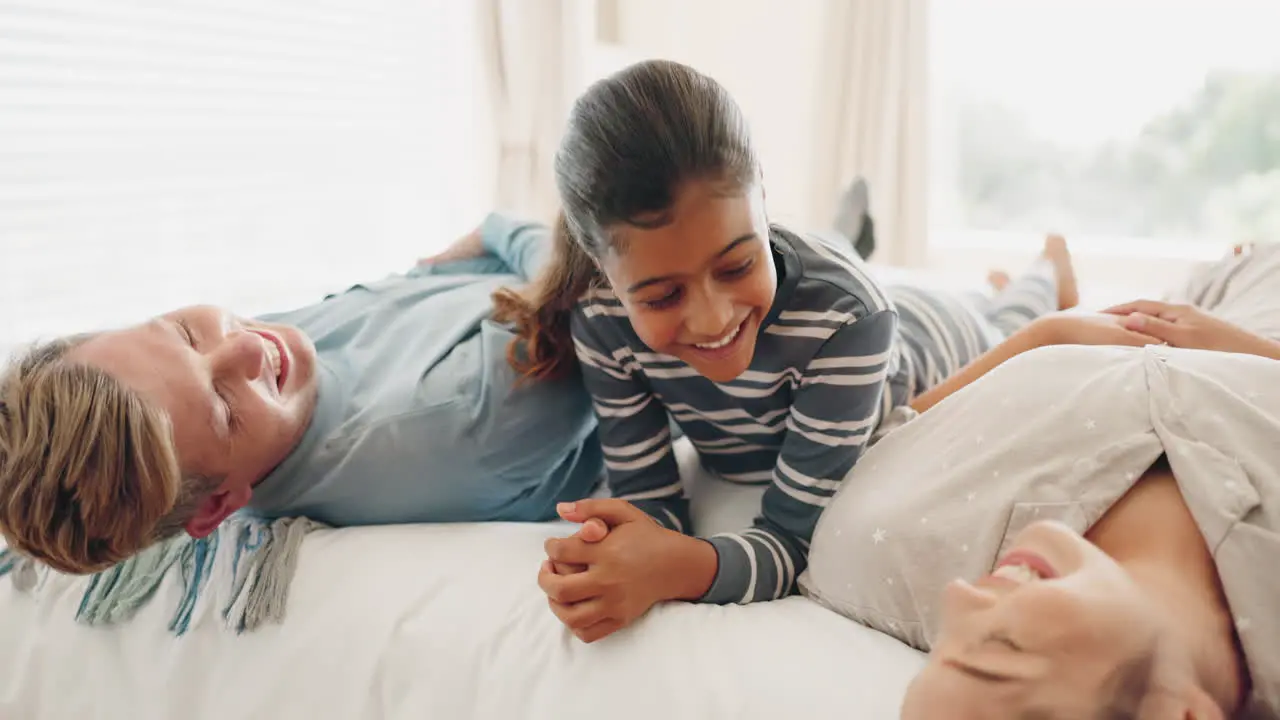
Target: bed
[(447, 622)]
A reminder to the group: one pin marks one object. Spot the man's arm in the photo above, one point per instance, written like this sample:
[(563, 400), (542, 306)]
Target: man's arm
[(501, 245), (522, 245)]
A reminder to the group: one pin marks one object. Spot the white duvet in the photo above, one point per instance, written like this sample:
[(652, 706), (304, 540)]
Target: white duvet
[(445, 622)]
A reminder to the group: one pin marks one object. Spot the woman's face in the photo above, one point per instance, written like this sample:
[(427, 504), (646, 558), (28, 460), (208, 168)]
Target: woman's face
[(1047, 629), (699, 287)]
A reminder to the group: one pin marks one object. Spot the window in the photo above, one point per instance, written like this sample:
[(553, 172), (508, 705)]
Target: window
[(1152, 126), (249, 153)]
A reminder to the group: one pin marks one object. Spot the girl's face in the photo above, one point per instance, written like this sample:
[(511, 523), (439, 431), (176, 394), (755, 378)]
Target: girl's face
[(699, 287)]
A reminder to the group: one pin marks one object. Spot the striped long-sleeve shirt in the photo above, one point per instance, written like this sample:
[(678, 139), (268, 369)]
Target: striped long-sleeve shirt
[(797, 419)]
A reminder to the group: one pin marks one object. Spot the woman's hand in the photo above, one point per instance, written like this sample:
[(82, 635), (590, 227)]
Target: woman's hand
[(639, 564), (1088, 329), (1186, 326)]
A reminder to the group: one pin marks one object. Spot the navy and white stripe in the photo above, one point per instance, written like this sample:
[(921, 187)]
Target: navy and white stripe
[(798, 419), (942, 332)]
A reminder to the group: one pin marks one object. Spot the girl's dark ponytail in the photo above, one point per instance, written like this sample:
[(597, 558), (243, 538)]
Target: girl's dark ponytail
[(543, 348)]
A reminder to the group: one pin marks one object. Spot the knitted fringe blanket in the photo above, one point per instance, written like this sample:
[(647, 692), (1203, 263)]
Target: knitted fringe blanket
[(245, 566)]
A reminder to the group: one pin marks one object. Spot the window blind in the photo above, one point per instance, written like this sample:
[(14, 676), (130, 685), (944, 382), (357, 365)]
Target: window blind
[(249, 153)]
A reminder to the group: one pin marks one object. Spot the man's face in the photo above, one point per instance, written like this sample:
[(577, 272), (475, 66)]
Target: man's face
[(239, 394)]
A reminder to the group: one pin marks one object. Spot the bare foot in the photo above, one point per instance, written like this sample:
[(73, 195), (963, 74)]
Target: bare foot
[(998, 279), (1055, 250)]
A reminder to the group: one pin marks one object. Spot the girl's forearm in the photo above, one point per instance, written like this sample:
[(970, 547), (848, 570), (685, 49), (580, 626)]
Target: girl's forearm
[(691, 565)]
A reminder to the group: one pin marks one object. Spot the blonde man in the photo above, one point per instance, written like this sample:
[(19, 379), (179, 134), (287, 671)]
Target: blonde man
[(392, 402)]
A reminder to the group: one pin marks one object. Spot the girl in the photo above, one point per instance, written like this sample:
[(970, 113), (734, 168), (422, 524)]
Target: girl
[(776, 354)]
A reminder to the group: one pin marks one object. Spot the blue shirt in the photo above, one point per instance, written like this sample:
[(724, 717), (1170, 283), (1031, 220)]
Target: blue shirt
[(419, 417)]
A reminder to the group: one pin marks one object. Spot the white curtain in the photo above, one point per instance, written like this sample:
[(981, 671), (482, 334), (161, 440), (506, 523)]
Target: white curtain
[(534, 54), (872, 117), (249, 153)]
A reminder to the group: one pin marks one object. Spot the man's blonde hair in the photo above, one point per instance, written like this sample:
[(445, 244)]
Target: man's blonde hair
[(89, 474)]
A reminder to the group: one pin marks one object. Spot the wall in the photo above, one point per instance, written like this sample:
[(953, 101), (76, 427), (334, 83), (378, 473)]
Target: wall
[(1109, 271), (249, 153), (765, 52)]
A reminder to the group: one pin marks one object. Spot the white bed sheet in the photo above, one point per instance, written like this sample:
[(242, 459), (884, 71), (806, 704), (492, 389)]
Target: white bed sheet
[(446, 622)]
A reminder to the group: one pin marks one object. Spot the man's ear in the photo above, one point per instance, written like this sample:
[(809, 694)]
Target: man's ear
[(216, 508)]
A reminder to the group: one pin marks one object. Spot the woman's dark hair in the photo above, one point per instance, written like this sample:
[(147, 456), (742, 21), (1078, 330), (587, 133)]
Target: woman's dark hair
[(633, 141)]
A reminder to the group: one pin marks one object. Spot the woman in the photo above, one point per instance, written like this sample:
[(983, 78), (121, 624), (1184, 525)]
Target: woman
[(1114, 514)]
